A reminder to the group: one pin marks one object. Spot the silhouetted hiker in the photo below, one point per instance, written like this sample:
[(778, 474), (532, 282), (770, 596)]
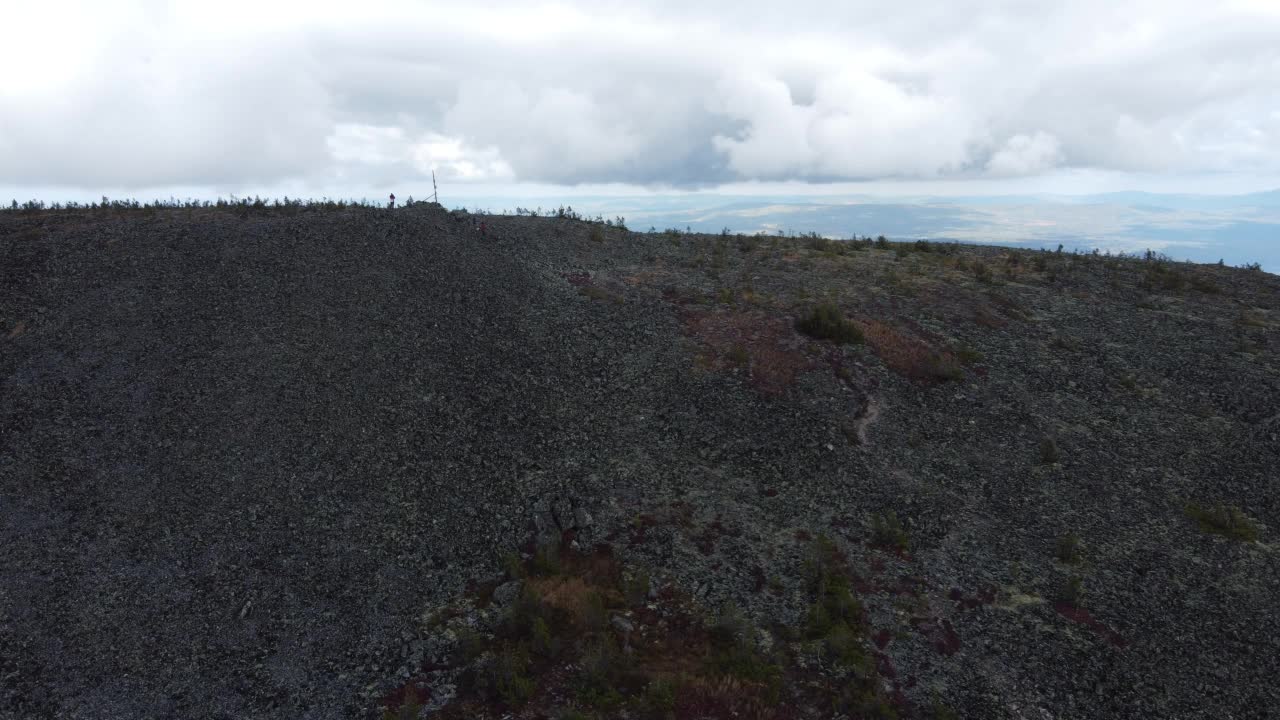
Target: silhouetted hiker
[(393, 201)]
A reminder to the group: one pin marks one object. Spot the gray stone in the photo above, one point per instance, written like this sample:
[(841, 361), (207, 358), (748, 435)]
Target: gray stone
[(563, 510), (506, 592), (545, 524)]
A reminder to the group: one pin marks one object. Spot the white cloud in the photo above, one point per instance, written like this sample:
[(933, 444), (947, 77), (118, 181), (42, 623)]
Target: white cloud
[(147, 94), (1026, 155), (454, 160), (856, 125)]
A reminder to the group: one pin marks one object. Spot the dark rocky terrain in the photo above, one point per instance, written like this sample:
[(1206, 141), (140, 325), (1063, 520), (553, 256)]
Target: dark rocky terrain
[(247, 456)]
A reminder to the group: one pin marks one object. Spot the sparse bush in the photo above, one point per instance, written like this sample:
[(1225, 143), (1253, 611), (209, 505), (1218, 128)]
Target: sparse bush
[(1049, 452), (593, 614), (602, 672), (468, 646), (636, 588), (817, 243), (1071, 591), (827, 322), (1064, 342), (1225, 520), (596, 234), (660, 696), (981, 272), (887, 530), (546, 559), (1252, 318), (1068, 549), (513, 566), (834, 606), (1159, 275), (505, 679), (598, 293), (739, 356), (939, 711), (1205, 285), (734, 650), (988, 319), (410, 708), (845, 647), (967, 355), (859, 698)]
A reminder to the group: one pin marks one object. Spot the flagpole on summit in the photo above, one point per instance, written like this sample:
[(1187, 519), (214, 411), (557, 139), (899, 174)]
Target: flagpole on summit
[(435, 192)]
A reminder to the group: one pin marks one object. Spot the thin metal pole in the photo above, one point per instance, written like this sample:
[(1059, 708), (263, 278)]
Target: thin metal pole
[(435, 192)]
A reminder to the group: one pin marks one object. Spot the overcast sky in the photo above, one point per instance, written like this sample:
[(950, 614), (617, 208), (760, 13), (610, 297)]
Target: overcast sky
[(313, 95)]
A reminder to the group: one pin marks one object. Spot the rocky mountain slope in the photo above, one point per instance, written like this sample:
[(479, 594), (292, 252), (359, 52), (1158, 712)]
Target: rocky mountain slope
[(249, 455)]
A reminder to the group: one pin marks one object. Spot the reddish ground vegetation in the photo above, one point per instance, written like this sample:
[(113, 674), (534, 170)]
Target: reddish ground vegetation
[(909, 356), (940, 632), (765, 345), (1082, 616), (578, 279)]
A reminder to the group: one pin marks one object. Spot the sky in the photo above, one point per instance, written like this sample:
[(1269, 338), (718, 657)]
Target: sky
[(313, 98)]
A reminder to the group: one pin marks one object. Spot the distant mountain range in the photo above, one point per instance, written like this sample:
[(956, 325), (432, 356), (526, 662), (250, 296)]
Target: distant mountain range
[(1238, 229)]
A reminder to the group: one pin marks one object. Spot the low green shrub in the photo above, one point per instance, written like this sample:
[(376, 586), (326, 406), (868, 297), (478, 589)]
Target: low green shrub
[(827, 322)]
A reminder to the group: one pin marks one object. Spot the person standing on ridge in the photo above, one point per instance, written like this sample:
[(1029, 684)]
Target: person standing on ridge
[(392, 204)]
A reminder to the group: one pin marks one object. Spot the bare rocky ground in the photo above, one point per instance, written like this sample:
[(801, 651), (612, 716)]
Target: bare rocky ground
[(248, 456)]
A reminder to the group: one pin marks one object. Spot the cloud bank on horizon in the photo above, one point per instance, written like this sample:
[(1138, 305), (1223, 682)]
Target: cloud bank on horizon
[(147, 94)]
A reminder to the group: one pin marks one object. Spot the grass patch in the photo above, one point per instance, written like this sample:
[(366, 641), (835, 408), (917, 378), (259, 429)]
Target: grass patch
[(1225, 520), (556, 652), (1252, 318), (596, 293), (736, 653), (1049, 452), (1065, 342)]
